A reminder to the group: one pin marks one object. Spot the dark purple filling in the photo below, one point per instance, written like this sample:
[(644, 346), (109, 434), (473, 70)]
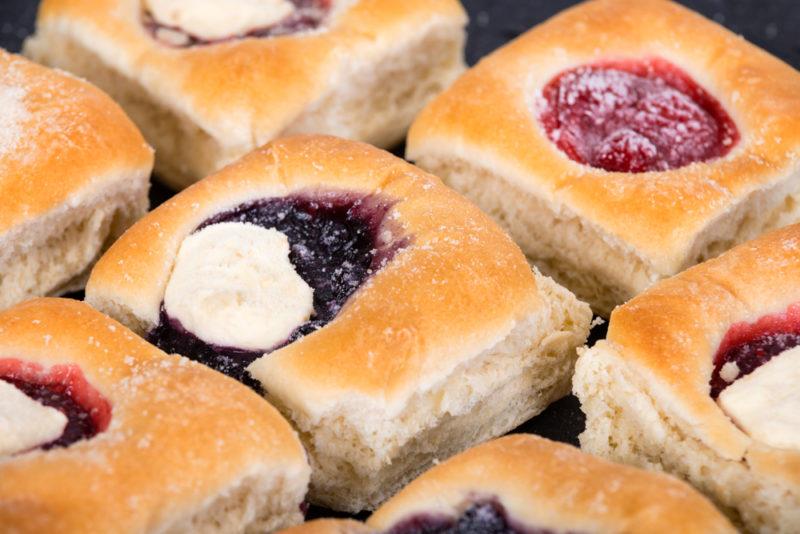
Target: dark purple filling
[(751, 355), (80, 424), (308, 15), (751, 345), (489, 517), (336, 243)]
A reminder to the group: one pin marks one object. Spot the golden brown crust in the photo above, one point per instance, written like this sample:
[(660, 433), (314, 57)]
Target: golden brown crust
[(669, 335), (266, 83), (660, 215), (75, 141), (171, 447), (457, 290), (330, 526), (552, 486)]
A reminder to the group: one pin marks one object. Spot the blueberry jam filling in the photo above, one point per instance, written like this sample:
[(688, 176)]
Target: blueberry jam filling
[(488, 517), (64, 388), (635, 116), (748, 346), (308, 15), (337, 241)]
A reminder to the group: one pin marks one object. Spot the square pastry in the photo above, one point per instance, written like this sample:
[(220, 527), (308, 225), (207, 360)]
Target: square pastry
[(100, 432), (208, 81), (526, 484), (388, 318), (699, 377), (620, 143), (74, 174)]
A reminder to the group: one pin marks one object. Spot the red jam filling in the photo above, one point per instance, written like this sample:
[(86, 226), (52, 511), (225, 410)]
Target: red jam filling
[(635, 116), (308, 15), (65, 388), (751, 345)]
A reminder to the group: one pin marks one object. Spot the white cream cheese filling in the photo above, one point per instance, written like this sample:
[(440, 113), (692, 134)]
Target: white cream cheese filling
[(233, 285), (25, 423), (218, 19), (766, 403)]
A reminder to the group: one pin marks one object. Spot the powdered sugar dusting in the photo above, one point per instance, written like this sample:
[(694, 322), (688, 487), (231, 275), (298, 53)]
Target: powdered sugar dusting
[(13, 115), (43, 114)]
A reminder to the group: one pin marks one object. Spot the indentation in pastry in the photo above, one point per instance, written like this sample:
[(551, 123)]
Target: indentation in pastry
[(81, 412), (480, 517), (192, 22), (233, 285), (336, 241), (766, 403), (634, 116), (25, 423), (213, 19), (747, 346)]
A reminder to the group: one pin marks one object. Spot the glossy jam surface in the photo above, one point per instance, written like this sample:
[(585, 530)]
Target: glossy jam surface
[(635, 116), (308, 15), (65, 388), (481, 518), (751, 345), (337, 241)]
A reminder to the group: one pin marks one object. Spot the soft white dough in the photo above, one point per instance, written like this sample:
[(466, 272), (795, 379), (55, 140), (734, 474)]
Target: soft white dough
[(216, 19), (233, 285), (25, 423), (766, 403)]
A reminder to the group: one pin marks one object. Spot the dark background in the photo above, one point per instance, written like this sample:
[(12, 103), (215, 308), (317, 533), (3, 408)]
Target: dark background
[(771, 24)]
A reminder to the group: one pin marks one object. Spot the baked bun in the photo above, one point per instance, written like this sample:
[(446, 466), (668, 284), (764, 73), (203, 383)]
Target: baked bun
[(74, 174), (426, 331), (620, 143), (121, 437), (524, 483), (698, 377), (206, 86), (330, 526)]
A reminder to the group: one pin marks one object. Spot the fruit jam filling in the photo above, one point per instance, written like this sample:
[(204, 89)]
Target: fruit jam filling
[(337, 241), (306, 15), (64, 388), (748, 346), (635, 116), (488, 517)]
